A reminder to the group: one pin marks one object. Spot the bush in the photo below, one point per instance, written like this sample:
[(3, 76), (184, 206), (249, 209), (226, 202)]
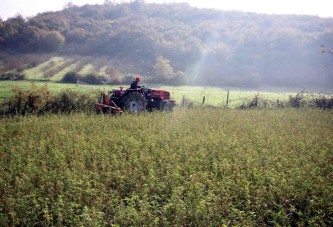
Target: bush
[(70, 77), (27, 102), (300, 100), (296, 101), (92, 79), (38, 100), (73, 77), (69, 101), (12, 76), (324, 103)]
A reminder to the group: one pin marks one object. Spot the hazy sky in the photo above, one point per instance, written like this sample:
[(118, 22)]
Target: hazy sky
[(322, 8)]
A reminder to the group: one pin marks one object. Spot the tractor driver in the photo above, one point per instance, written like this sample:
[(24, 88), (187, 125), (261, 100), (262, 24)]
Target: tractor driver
[(134, 84)]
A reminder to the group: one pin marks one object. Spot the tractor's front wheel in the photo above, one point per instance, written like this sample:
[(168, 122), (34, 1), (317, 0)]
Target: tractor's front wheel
[(166, 106), (134, 103)]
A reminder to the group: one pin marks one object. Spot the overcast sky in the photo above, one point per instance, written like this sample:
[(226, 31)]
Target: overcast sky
[(322, 8)]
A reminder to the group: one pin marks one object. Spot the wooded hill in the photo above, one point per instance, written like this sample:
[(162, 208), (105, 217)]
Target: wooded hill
[(178, 44)]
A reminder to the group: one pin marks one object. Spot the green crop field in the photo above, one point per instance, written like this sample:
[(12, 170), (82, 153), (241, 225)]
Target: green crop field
[(198, 167)]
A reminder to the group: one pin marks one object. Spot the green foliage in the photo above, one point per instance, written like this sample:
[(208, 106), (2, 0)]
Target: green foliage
[(69, 101), (252, 168), (12, 76), (33, 36), (19, 34), (93, 79), (73, 77), (296, 101), (53, 41), (324, 102), (70, 77), (38, 100), (28, 101), (299, 100), (164, 73)]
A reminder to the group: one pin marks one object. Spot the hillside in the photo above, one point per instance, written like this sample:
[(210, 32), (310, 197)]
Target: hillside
[(173, 44)]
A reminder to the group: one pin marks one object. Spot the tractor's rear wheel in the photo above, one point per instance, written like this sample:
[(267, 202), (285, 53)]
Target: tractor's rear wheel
[(134, 103)]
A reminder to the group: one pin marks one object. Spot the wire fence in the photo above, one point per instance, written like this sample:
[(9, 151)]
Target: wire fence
[(223, 97), (234, 97)]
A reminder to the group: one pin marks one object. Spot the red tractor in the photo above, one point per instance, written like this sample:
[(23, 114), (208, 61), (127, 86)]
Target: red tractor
[(135, 101)]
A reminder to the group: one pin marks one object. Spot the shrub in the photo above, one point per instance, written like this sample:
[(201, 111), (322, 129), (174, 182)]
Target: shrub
[(38, 100), (92, 79), (295, 101), (12, 76), (300, 100), (27, 101), (324, 103), (69, 101), (70, 77)]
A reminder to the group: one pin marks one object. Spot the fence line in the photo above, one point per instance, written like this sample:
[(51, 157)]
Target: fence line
[(234, 98)]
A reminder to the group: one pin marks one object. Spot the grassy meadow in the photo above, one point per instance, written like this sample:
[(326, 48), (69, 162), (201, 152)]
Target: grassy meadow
[(198, 167)]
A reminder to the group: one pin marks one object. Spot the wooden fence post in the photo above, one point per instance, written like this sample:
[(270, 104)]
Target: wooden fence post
[(227, 98), (183, 100)]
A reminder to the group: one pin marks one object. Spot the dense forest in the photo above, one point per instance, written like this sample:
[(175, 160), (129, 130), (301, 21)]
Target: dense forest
[(180, 44)]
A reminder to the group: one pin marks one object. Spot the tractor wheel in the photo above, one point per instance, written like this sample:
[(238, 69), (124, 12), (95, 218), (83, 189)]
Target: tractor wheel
[(134, 103), (166, 106)]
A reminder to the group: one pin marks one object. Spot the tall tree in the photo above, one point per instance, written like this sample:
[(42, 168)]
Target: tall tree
[(53, 41), (163, 71)]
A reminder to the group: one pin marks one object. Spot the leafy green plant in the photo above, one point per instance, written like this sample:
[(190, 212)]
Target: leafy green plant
[(251, 167), (70, 77), (38, 100)]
